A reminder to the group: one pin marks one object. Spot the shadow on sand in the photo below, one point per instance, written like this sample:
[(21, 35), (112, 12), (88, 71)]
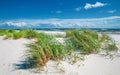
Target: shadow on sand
[(26, 64)]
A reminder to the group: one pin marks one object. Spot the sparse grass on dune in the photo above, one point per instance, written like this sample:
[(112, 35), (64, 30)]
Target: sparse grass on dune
[(108, 42), (84, 41), (8, 33), (88, 41), (9, 36), (47, 48), (59, 35), (38, 53), (29, 33), (16, 34)]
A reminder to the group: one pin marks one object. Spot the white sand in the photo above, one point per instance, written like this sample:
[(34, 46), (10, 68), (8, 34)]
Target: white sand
[(53, 32), (12, 52)]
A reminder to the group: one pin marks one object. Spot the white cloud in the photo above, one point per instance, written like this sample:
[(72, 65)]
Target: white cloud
[(19, 24), (59, 11), (78, 8), (97, 4), (111, 11), (66, 23)]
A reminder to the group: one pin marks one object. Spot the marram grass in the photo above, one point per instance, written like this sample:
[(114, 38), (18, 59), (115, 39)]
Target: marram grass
[(89, 41), (47, 48), (16, 34), (86, 41)]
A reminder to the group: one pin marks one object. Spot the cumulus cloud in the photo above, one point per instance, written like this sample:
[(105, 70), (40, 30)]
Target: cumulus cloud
[(97, 4), (111, 11), (78, 8), (113, 21)]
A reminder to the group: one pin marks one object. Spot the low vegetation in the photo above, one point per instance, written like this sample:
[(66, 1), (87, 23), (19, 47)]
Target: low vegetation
[(17, 34), (83, 41), (86, 41), (108, 43), (45, 49)]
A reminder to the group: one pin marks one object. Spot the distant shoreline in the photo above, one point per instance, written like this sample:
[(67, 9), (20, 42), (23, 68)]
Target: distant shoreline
[(98, 29), (108, 30)]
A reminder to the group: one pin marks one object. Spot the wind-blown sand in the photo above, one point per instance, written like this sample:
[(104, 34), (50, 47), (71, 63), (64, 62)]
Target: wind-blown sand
[(12, 52)]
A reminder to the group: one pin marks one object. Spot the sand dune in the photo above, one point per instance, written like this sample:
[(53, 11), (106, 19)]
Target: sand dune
[(12, 52)]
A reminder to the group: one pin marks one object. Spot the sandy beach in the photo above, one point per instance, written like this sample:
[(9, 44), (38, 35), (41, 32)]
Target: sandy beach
[(59, 37), (12, 53)]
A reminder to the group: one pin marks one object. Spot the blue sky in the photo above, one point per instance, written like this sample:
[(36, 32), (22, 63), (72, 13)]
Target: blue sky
[(58, 8), (22, 12)]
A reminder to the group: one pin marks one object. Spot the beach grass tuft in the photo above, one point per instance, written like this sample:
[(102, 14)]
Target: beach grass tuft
[(46, 47), (88, 41)]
